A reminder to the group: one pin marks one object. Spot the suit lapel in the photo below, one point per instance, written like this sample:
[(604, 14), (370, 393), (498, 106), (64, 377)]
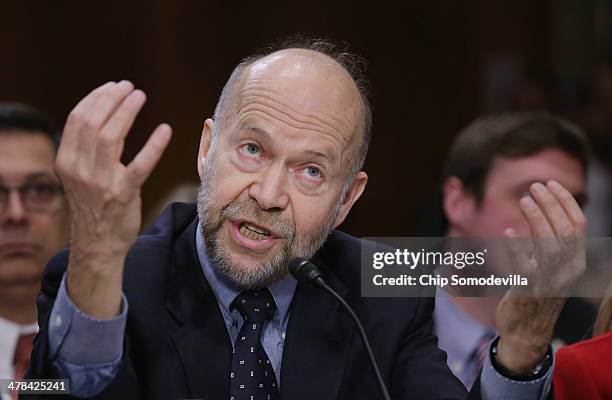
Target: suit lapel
[(317, 342), (201, 341)]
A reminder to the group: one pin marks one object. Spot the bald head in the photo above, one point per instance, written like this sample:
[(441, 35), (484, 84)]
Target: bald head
[(313, 80)]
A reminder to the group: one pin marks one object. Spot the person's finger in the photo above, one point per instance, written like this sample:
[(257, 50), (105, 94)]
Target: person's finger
[(70, 135), (119, 150), (545, 245), (552, 209), (519, 261), (536, 219), (578, 239), (95, 120), (142, 165), (570, 205), (104, 106), (116, 128)]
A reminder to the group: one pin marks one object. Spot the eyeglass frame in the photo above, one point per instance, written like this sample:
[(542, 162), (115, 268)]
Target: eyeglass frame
[(22, 190)]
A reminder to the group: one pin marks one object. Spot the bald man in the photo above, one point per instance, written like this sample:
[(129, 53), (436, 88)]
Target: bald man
[(213, 312)]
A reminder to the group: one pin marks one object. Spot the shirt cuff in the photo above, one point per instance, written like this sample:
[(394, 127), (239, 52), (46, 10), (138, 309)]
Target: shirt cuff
[(494, 385), (81, 339)]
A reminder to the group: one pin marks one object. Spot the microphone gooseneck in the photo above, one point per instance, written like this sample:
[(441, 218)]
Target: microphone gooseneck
[(304, 270)]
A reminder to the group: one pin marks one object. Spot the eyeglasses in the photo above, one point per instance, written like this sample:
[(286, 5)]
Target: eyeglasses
[(35, 196)]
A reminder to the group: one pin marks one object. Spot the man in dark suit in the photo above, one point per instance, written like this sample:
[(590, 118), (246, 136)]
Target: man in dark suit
[(213, 312)]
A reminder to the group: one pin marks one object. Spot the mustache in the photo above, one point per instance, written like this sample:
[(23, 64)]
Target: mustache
[(249, 209)]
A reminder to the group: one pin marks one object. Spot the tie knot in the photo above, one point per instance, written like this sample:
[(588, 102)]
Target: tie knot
[(255, 305)]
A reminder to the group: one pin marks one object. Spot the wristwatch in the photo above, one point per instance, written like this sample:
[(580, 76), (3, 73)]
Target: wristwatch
[(538, 371)]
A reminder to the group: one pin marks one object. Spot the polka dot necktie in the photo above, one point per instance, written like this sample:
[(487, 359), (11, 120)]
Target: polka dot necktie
[(252, 376)]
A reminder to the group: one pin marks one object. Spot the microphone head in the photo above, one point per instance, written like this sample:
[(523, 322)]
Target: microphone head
[(304, 270)]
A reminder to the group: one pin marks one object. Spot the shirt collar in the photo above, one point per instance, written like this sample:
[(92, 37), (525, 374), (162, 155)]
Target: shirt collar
[(226, 291), (459, 334), (9, 335)]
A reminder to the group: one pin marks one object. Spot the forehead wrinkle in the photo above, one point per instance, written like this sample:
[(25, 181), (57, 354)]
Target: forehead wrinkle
[(292, 122), (299, 117), (251, 92), (334, 139)]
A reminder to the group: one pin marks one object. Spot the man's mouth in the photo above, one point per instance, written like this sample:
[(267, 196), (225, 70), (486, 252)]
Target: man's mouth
[(253, 232), (18, 249), (251, 236)]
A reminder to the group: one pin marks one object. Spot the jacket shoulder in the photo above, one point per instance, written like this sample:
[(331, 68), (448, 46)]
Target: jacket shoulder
[(341, 255)]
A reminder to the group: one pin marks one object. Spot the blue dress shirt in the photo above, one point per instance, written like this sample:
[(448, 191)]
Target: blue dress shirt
[(88, 351)]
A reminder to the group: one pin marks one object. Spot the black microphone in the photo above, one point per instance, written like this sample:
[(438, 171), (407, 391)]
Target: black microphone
[(305, 271)]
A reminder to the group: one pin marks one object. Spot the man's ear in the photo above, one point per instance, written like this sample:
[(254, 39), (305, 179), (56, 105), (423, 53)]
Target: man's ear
[(458, 203), (209, 125), (353, 193)]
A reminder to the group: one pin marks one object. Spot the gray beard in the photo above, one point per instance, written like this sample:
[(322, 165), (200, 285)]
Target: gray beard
[(259, 274)]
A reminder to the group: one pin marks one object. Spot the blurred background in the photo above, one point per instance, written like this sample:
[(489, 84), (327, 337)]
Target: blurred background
[(433, 66)]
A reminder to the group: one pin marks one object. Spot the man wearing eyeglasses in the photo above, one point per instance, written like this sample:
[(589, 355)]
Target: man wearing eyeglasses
[(34, 226)]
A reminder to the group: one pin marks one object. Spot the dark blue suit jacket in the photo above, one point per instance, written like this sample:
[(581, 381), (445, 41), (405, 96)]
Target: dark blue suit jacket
[(177, 346)]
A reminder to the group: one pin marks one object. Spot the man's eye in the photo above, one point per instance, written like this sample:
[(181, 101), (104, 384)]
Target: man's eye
[(252, 149), (40, 189), (313, 172)]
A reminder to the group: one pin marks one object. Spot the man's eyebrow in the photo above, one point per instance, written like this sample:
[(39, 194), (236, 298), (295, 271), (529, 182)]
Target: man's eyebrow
[(38, 175), (313, 153), (34, 177), (259, 131), (319, 154)]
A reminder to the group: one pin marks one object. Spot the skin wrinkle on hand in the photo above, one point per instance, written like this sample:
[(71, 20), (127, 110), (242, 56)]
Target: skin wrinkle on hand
[(103, 194)]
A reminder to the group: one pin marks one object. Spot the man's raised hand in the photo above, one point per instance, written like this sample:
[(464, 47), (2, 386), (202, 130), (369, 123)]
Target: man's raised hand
[(103, 195), (526, 316)]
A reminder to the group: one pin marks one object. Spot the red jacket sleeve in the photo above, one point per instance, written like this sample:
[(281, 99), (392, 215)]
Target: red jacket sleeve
[(584, 370)]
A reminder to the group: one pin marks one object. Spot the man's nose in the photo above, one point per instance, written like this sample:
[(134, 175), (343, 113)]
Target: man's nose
[(14, 209), (270, 189)]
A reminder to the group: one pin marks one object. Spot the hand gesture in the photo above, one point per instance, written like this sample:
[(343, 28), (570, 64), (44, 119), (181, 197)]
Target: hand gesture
[(526, 316), (103, 194)]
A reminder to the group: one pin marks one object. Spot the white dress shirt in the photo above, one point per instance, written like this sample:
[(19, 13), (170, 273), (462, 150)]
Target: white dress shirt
[(9, 335)]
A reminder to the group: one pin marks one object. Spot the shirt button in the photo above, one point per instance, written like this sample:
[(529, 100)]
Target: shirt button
[(283, 335), (58, 321)]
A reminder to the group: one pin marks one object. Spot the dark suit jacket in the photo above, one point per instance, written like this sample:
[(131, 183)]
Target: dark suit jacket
[(177, 346)]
